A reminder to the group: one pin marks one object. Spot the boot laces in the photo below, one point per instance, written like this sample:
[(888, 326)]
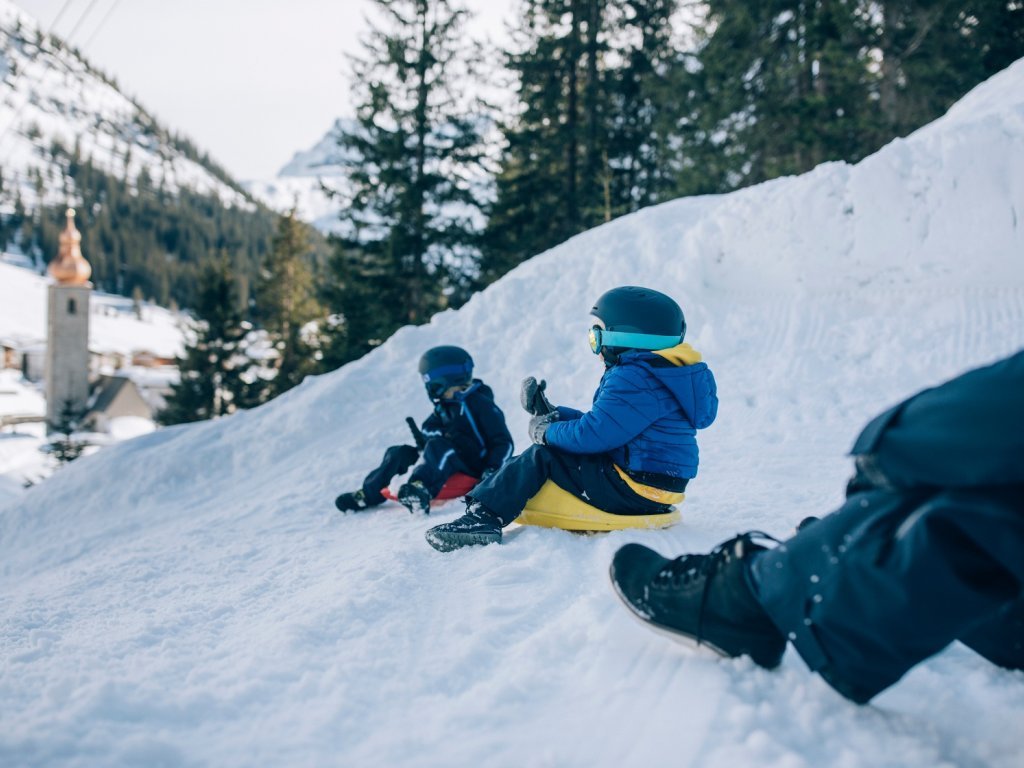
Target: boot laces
[(686, 569)]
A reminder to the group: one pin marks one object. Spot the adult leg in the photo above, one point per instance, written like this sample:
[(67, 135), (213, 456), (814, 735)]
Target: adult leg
[(1000, 637), (891, 579)]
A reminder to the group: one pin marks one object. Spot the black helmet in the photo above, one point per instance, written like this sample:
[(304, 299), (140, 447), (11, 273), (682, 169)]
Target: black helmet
[(636, 318), (443, 368)]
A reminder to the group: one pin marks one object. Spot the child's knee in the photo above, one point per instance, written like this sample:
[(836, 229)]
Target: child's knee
[(402, 454)]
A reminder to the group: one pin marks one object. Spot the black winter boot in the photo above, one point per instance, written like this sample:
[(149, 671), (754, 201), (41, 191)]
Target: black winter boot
[(478, 526), (415, 497), (700, 599), (352, 502)]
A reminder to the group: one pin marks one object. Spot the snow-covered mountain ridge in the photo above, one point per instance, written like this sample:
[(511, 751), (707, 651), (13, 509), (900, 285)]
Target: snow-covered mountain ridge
[(49, 94), (303, 181), (192, 598)]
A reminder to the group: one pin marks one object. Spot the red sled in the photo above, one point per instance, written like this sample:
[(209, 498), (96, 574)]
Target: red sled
[(456, 486)]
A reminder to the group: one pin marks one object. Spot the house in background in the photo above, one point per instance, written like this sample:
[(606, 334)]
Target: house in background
[(114, 397)]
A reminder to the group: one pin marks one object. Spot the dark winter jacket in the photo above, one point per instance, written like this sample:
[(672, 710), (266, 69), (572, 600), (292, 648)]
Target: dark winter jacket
[(646, 413), (968, 432), (475, 425)]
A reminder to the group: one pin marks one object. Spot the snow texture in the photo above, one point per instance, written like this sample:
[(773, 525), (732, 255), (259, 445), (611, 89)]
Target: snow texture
[(190, 597)]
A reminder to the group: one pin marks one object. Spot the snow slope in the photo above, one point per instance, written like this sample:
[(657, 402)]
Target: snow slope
[(191, 598)]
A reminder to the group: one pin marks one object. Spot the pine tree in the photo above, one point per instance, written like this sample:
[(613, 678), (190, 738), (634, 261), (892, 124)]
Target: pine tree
[(647, 106), (931, 53), (552, 183), (285, 303), (786, 86), (216, 370), (63, 445), (414, 162)]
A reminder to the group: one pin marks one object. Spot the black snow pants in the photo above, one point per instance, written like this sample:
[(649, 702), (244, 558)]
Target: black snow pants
[(439, 460), (927, 549), (591, 478)]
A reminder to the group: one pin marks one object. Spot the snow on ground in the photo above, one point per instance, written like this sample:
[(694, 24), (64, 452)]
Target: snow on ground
[(190, 597)]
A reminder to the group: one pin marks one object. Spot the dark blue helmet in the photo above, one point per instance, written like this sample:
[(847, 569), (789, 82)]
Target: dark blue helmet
[(635, 318), (443, 368)]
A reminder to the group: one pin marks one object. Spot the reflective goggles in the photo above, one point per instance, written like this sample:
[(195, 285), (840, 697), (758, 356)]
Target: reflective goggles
[(600, 338), (440, 380)]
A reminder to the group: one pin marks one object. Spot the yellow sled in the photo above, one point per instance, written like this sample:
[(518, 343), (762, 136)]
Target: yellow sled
[(555, 507)]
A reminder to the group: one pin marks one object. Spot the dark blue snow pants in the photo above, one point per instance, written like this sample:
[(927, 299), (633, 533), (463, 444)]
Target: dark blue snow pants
[(590, 477), (891, 579), (440, 460), (927, 549)]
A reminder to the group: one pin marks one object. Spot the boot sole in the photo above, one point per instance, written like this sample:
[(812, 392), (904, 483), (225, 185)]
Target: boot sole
[(448, 541)]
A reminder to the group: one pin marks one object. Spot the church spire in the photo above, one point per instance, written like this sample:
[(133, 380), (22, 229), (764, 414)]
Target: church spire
[(70, 267)]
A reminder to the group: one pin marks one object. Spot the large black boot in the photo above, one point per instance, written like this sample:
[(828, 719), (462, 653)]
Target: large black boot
[(477, 527), (700, 599)]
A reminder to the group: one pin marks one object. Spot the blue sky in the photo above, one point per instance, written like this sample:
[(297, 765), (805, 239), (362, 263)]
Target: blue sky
[(250, 81)]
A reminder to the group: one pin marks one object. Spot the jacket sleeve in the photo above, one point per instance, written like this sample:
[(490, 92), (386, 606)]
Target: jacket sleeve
[(497, 439), (565, 413), (964, 433), (625, 407), (432, 426)]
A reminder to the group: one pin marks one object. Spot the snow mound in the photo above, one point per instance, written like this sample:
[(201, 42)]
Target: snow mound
[(191, 597)]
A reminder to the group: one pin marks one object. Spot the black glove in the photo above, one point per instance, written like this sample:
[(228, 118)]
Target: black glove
[(531, 395), (539, 426), (417, 435)]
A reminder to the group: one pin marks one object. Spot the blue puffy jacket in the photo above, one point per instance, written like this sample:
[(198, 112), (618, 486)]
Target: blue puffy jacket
[(646, 413)]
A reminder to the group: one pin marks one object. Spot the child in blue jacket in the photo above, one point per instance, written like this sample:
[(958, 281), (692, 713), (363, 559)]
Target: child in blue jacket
[(465, 433), (634, 451)]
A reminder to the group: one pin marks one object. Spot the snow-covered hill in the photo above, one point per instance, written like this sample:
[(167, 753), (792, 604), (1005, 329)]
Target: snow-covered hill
[(192, 598), (49, 93)]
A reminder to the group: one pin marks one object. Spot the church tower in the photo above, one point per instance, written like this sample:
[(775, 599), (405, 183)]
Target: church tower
[(67, 346)]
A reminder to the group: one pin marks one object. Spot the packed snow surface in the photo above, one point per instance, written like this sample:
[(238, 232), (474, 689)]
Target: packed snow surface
[(192, 598)]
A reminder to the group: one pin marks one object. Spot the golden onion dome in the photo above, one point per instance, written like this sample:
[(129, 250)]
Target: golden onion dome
[(70, 267)]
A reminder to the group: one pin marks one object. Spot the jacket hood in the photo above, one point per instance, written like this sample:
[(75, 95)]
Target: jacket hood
[(680, 354), (688, 379)]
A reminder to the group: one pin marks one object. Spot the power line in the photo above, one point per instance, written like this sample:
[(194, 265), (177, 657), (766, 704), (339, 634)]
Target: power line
[(60, 13), (28, 96), (83, 17), (58, 46), (103, 23)]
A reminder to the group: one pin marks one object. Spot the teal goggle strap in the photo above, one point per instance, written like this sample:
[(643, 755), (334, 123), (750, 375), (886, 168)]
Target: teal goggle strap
[(600, 338)]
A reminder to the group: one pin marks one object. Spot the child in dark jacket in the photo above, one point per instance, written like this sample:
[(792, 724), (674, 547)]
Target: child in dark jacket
[(634, 452), (465, 433)]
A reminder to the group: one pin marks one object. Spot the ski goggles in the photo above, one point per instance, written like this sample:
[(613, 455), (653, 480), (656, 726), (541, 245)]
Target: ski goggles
[(600, 338), (440, 380)]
